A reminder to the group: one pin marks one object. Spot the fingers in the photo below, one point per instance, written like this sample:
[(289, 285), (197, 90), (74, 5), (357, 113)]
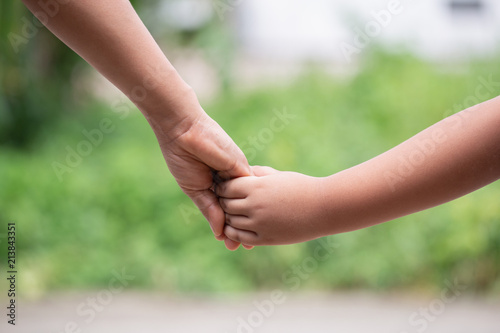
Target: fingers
[(231, 245), (241, 236), (208, 204), (239, 222), (261, 171), (220, 237), (236, 189), (240, 167), (216, 149), (234, 206), (239, 188)]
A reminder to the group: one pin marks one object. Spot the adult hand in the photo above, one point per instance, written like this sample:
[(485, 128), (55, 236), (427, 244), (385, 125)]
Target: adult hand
[(111, 37), (201, 148)]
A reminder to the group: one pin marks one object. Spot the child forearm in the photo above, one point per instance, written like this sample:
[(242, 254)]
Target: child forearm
[(447, 160)]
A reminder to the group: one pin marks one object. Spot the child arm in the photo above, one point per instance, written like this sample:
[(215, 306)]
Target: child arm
[(445, 161)]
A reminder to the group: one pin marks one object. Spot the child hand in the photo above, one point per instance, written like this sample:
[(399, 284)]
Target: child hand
[(272, 207)]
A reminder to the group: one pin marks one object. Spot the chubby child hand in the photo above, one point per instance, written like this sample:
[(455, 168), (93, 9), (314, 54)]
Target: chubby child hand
[(272, 207)]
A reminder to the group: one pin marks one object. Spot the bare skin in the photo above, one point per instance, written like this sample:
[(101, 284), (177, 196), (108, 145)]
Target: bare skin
[(453, 157), (111, 37)]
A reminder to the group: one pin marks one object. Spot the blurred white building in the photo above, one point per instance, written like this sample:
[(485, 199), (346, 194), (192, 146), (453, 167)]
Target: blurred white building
[(325, 29), (276, 37)]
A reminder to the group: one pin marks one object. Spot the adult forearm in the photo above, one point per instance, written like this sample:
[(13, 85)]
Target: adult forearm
[(111, 37), (447, 160)]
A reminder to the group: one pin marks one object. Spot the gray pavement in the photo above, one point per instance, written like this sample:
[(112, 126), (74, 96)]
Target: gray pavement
[(103, 312)]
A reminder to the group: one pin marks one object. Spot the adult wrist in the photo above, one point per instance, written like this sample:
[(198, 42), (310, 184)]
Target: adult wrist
[(171, 109)]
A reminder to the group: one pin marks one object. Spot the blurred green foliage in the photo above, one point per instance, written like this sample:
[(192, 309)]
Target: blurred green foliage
[(37, 72), (35, 76), (120, 207)]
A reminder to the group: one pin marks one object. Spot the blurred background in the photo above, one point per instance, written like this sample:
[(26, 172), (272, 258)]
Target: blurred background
[(102, 219)]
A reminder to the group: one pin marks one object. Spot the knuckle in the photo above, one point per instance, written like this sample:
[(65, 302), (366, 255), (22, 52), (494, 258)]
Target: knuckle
[(223, 203), (257, 241), (220, 189), (231, 233)]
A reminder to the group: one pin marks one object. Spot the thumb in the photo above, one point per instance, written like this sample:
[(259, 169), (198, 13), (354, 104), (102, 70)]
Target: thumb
[(261, 171), (240, 167)]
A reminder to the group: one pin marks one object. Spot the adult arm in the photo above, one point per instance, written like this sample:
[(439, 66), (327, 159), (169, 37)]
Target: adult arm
[(111, 37)]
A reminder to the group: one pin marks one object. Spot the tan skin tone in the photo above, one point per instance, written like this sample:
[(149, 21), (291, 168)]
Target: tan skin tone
[(454, 157), (111, 37), (274, 207)]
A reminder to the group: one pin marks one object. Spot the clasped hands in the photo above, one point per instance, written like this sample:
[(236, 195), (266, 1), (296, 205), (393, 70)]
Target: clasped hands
[(200, 155)]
